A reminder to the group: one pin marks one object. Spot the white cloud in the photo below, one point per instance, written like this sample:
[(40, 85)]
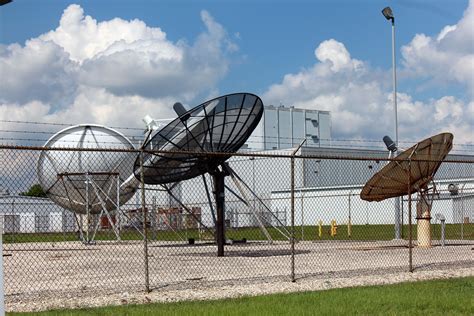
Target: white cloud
[(99, 106), (38, 71), (359, 96), (25, 112), (361, 102), (109, 72), (446, 57), (128, 57), (340, 84), (85, 38), (336, 53), (114, 72)]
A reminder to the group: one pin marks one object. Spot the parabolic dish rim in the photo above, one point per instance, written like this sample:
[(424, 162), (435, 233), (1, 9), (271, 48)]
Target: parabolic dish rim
[(199, 162), (122, 141), (396, 167)]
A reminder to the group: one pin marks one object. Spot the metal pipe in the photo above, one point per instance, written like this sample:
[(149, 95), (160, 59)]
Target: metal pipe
[(349, 223), (410, 238), (394, 80), (302, 214), (117, 215), (145, 235), (292, 239), (394, 73), (462, 211), (87, 208), (394, 77), (443, 227), (219, 188)]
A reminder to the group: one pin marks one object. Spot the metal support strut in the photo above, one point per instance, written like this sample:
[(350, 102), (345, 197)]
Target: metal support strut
[(219, 194)]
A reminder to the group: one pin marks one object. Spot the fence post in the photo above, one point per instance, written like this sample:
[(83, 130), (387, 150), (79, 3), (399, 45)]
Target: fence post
[(292, 161), (2, 280), (410, 235), (292, 238), (145, 232)]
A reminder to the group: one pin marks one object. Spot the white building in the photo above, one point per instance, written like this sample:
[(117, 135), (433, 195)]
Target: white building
[(339, 203), (26, 214), (326, 189)]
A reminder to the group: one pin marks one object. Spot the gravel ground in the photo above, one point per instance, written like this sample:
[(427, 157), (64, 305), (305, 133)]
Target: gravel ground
[(70, 275)]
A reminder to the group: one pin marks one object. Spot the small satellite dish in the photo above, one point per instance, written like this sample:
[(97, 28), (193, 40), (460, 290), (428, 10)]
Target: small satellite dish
[(220, 125), (392, 180)]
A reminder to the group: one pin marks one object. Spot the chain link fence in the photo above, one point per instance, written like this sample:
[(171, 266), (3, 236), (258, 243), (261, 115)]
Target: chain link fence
[(93, 224)]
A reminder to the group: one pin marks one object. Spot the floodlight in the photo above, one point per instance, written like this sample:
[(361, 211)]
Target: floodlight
[(181, 111), (388, 14), (390, 144), (453, 189)]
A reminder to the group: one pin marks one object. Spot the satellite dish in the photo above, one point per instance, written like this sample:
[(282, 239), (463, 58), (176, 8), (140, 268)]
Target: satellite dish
[(392, 180), (220, 125), (78, 180), (416, 167)]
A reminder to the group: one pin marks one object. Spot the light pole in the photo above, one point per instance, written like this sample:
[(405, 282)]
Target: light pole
[(388, 14)]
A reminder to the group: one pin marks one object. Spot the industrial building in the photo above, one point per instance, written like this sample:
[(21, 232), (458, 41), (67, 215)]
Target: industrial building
[(285, 127), (332, 183), (325, 189)]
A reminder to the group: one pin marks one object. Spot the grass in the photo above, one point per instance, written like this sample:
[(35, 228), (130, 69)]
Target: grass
[(359, 232), (436, 297)]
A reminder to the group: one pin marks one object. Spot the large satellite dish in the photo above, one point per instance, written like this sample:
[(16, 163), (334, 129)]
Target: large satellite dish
[(175, 152), (86, 181), (412, 171), (423, 160), (220, 125)]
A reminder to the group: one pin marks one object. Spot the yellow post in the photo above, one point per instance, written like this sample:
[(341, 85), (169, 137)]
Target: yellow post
[(320, 232), (333, 228), (349, 228)]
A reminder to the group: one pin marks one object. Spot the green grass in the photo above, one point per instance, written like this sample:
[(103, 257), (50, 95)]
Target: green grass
[(437, 297), (359, 232)]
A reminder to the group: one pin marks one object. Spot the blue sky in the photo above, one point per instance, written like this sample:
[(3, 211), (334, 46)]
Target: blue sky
[(330, 55)]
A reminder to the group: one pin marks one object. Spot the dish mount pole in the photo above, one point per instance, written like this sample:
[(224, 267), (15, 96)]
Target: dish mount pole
[(218, 177)]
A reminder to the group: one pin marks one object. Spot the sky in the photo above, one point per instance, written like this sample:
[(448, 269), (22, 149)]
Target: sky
[(113, 62)]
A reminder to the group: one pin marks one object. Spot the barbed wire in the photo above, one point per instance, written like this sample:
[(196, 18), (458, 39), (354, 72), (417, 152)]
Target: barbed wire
[(364, 140), (335, 147), (259, 142)]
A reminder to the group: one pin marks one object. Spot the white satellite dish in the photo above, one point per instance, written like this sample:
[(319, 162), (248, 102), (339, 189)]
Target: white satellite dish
[(87, 181)]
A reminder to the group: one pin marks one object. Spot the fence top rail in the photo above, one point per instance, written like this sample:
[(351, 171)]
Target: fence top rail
[(287, 154)]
